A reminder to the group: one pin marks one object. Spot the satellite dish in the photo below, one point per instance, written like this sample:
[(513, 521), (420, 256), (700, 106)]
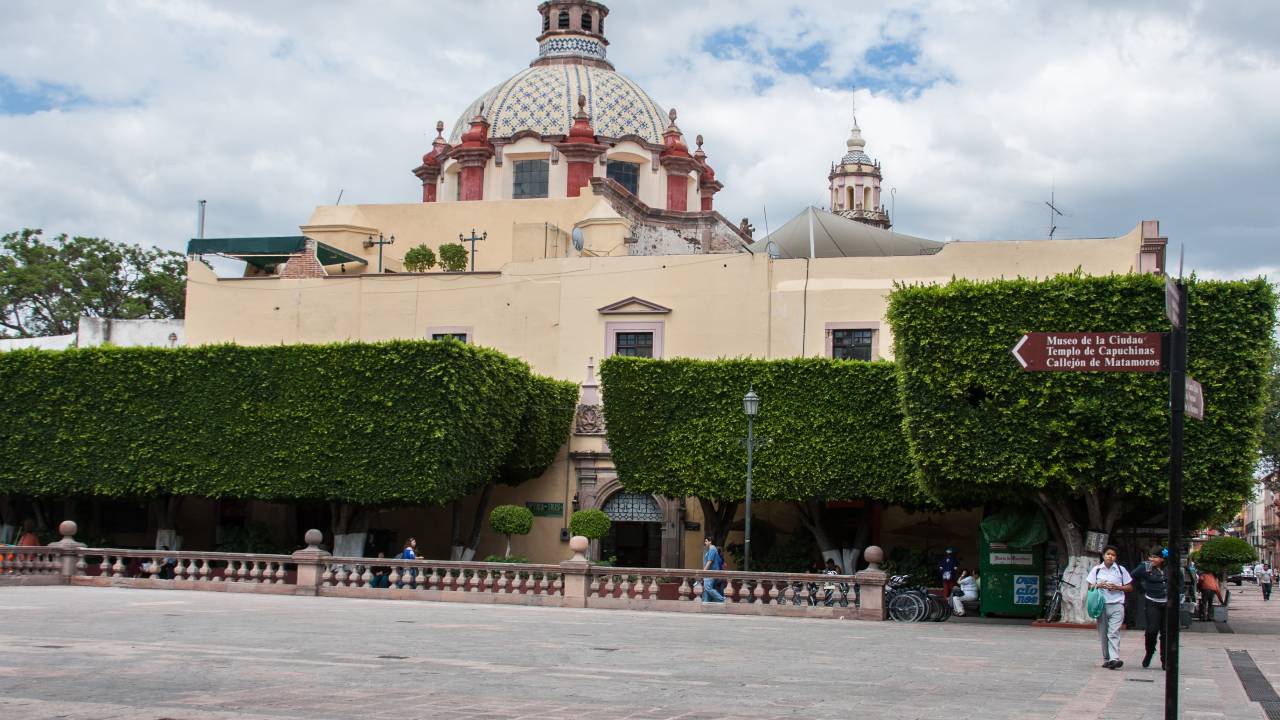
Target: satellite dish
[(579, 240)]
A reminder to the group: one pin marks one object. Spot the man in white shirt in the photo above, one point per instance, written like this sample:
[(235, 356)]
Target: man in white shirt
[(1114, 581), (1264, 577)]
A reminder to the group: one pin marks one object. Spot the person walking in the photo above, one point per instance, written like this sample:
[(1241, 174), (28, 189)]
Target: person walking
[(949, 567), (1155, 595), (710, 559), (410, 552), (1265, 576), (1114, 581)]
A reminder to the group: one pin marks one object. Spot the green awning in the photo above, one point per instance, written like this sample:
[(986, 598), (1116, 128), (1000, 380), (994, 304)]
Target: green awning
[(267, 252)]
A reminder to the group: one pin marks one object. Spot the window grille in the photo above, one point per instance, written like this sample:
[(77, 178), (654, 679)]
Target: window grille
[(586, 21), (851, 344), (564, 20), (634, 344), (633, 507), (530, 179), (626, 173)]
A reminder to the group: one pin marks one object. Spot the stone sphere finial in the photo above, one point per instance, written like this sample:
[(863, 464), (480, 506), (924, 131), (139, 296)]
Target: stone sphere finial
[(672, 114), (68, 528), (313, 538), (874, 555), (440, 128), (579, 544), (698, 140)]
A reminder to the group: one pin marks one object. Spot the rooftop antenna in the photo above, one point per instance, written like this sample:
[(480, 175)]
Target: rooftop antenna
[(766, 220), (200, 218), (1182, 251), (1053, 209), (339, 200)]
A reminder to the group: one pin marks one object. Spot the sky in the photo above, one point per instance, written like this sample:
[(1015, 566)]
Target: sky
[(116, 116)]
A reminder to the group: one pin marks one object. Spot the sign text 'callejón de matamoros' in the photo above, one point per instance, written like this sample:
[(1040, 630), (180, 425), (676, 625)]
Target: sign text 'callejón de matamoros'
[(1091, 352)]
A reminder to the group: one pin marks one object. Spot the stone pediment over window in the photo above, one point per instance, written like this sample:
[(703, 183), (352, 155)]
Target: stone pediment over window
[(634, 306)]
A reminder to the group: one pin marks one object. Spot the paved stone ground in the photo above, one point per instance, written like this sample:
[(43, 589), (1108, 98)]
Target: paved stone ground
[(80, 653)]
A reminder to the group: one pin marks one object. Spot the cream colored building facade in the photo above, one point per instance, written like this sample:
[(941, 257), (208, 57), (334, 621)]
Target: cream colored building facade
[(535, 296)]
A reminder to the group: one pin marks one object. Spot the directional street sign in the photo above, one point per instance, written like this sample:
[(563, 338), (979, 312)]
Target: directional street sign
[(1172, 301), (1090, 352), (1195, 400)]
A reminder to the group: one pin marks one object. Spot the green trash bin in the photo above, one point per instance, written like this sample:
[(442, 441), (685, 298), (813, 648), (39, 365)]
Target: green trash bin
[(1012, 580)]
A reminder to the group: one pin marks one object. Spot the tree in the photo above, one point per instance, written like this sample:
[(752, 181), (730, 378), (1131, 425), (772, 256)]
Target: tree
[(419, 259), (1223, 555), (1088, 448), (591, 524), (453, 257), (511, 520), (544, 428), (834, 431), (1271, 424), (45, 286)]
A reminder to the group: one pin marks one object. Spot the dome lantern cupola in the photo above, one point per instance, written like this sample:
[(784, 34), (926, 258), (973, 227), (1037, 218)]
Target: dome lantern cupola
[(854, 182), (572, 32)]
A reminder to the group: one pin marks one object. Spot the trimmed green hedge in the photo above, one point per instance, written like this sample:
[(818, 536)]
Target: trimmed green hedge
[(981, 428), (386, 423), (591, 524), (834, 428), (511, 520), (548, 418)]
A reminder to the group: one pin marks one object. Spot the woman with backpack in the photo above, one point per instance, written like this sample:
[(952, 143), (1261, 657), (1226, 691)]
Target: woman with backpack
[(1111, 581)]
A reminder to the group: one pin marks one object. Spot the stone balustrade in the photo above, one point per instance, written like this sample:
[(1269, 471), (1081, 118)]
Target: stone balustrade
[(573, 583)]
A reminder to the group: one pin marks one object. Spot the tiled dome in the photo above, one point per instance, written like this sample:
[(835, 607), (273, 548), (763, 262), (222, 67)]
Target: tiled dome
[(544, 99)]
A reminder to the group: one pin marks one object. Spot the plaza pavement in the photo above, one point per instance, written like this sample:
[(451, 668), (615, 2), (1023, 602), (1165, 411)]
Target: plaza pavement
[(80, 653)]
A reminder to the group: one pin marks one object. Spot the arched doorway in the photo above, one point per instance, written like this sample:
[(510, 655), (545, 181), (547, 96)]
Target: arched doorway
[(635, 536)]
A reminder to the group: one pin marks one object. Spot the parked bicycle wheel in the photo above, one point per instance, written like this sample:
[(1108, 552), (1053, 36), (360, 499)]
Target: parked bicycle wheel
[(906, 607), (1053, 611)]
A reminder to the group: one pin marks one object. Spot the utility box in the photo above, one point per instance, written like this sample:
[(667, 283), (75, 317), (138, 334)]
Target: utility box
[(1012, 579)]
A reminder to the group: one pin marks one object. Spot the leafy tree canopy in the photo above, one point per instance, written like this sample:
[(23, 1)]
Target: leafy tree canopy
[(386, 423), (511, 520), (981, 428), (46, 285), (453, 257), (591, 524), (833, 428), (419, 259), (1224, 554)]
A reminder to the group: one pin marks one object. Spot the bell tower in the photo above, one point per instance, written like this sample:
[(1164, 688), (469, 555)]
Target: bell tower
[(854, 182), (572, 32)]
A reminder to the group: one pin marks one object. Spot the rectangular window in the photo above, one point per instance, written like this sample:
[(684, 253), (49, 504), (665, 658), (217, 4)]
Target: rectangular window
[(460, 337), (852, 344), (530, 179), (634, 344), (626, 173)]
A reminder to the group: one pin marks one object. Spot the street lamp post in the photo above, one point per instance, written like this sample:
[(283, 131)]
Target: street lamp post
[(750, 405)]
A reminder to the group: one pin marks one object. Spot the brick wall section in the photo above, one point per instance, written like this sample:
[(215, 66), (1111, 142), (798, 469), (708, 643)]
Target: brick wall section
[(305, 264)]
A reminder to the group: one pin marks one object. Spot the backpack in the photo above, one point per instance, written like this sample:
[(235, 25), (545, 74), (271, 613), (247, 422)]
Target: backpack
[(719, 560)]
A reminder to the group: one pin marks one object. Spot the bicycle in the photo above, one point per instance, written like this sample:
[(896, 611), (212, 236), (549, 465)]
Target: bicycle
[(913, 603), (1053, 609)]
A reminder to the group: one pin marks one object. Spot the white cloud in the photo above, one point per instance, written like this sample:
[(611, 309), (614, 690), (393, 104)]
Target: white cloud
[(1134, 111)]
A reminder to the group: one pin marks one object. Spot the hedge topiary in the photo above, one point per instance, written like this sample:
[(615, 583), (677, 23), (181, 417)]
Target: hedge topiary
[(511, 520), (1087, 447), (834, 430), (1223, 555), (386, 423), (590, 524), (453, 257)]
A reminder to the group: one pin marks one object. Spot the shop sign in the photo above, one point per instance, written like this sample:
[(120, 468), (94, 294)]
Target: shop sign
[(1026, 589), (546, 509), (1009, 558)]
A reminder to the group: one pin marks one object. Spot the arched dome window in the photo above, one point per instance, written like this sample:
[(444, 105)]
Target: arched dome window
[(586, 21), (564, 20)]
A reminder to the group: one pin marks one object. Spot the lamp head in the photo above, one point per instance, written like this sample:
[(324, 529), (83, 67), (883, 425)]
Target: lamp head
[(751, 403)]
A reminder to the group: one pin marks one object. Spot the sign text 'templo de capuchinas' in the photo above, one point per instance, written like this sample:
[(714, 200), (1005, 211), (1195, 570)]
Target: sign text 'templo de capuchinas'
[(1091, 352)]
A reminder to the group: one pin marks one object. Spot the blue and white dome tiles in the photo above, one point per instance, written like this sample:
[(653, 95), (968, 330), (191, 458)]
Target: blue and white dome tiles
[(544, 99)]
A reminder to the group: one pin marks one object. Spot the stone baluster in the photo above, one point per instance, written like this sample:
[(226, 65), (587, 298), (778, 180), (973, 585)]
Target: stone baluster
[(504, 583), (470, 585), (609, 587), (280, 573), (366, 577), (685, 591), (311, 563), (697, 589), (203, 570), (117, 568), (434, 580), (871, 582), (624, 589), (255, 572), (543, 584), (757, 591), (730, 591), (773, 593), (789, 594)]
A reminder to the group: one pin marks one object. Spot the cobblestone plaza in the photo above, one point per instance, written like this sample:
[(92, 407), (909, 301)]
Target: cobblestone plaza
[(74, 652)]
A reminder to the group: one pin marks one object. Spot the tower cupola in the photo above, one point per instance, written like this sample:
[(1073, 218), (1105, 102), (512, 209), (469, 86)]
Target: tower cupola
[(572, 32), (854, 182)]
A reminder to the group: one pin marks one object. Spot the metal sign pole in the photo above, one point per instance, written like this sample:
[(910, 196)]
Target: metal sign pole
[(1177, 406)]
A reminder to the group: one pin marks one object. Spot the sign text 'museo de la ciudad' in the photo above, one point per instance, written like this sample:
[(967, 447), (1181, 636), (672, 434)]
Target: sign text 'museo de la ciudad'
[(1090, 352)]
